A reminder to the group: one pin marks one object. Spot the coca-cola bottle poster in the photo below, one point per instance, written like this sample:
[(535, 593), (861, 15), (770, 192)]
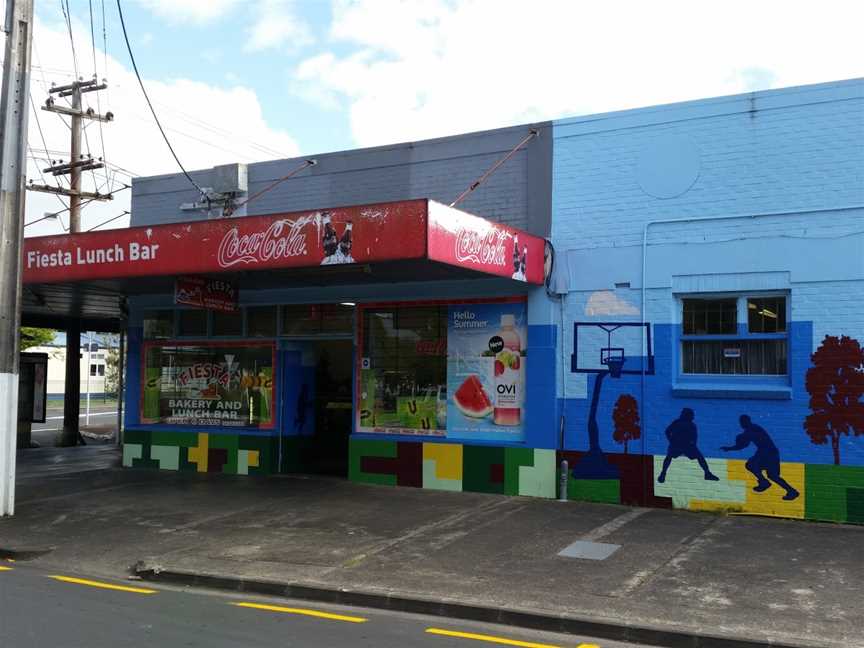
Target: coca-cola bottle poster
[(336, 240), (486, 354)]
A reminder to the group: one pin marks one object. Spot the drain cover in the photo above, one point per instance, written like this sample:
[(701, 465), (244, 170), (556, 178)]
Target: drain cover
[(589, 550)]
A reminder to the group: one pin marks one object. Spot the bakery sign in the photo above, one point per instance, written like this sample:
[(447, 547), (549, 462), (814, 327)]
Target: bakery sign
[(202, 292)]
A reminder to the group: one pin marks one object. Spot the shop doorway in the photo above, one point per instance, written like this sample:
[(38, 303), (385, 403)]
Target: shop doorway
[(326, 452)]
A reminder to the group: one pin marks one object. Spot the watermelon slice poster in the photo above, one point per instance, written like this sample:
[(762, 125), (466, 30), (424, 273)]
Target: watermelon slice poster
[(486, 348)]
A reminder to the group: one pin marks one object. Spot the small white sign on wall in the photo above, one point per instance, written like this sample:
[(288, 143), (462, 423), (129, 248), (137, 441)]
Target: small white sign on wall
[(733, 353), (365, 363)]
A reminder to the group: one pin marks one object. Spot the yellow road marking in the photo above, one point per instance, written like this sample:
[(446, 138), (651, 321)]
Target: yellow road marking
[(109, 586), (303, 611), (2, 568), (489, 638)]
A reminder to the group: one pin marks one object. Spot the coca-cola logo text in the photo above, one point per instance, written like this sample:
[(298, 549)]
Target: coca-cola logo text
[(282, 240), (485, 248)]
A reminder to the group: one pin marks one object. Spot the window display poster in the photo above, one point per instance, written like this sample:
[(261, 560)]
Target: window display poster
[(209, 385), (486, 349)]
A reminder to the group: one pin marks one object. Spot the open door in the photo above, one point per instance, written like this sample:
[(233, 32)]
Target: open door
[(333, 406), (317, 406)]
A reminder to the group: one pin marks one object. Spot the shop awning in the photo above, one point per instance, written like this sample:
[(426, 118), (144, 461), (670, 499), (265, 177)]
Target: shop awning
[(87, 276)]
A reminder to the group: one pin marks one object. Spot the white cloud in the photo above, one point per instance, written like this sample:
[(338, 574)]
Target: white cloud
[(207, 125), (194, 11), (606, 302), (415, 69), (277, 25)]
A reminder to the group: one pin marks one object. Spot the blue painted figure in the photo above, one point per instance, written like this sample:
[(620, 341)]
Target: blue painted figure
[(766, 459), (682, 437)]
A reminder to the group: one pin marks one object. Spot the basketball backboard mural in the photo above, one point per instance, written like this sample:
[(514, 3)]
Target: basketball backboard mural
[(607, 349), (619, 348)]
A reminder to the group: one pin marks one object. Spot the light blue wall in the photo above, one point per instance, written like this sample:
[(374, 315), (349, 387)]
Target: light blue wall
[(782, 174)]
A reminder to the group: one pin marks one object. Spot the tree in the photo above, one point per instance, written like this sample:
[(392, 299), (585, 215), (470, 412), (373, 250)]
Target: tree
[(835, 383), (35, 337), (625, 415), (112, 365)]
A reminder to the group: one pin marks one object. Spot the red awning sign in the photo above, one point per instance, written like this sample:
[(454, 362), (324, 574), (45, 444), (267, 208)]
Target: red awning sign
[(414, 229)]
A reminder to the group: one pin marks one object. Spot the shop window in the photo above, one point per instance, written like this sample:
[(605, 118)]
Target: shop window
[(716, 341), (316, 319), (192, 323), (261, 321), (404, 369), (337, 318), (158, 324), (209, 385), (226, 324)]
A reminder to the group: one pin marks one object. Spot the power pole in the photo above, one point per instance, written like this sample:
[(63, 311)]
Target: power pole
[(13, 143), (71, 434), (78, 162)]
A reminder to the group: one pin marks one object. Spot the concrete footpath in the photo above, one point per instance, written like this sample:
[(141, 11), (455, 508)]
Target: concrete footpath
[(678, 578)]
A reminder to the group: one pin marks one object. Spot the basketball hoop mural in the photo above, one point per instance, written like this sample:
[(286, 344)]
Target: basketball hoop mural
[(605, 349)]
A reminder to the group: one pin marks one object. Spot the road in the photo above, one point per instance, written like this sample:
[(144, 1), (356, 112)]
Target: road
[(101, 416), (42, 608)]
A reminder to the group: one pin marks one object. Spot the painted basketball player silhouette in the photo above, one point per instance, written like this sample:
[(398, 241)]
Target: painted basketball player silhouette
[(765, 460), (682, 435)]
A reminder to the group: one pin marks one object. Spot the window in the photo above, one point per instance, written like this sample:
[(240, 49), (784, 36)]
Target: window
[(228, 323), (101, 369), (158, 324), (403, 376), (212, 384), (738, 336), (192, 323), (315, 319), (92, 369), (261, 321)]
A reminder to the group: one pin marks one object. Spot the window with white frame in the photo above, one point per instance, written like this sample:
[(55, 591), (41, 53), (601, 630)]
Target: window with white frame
[(735, 335)]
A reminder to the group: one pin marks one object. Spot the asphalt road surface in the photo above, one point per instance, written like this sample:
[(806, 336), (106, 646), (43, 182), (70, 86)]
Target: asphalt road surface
[(39, 608)]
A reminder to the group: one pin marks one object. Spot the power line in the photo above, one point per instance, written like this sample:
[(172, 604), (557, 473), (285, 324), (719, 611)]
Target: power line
[(67, 16), (110, 220), (144, 91), (42, 135), (95, 75)]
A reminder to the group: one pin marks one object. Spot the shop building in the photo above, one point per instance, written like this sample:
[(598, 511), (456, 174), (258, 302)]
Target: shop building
[(630, 292)]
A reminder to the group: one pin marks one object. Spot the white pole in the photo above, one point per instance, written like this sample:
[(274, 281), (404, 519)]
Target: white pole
[(13, 142), (89, 371)]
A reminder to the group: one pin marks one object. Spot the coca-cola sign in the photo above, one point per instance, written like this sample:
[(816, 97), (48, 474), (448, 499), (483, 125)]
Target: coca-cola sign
[(283, 239), (484, 248), (461, 239), (414, 230)]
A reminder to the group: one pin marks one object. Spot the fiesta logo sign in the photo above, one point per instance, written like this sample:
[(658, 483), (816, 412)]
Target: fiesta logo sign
[(283, 239), (484, 248), (208, 371)]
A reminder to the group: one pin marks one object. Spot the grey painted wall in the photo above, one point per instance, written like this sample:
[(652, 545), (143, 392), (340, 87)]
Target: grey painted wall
[(519, 193)]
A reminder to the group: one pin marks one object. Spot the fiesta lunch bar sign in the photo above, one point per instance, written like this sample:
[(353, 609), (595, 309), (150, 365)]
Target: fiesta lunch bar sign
[(415, 229)]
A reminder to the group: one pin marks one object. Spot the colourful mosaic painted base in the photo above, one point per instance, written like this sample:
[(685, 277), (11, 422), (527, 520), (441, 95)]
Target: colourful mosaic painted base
[(454, 467), (834, 493), (203, 452), (827, 492)]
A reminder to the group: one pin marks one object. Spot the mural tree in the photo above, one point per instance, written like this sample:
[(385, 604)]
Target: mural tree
[(836, 384), (625, 415)]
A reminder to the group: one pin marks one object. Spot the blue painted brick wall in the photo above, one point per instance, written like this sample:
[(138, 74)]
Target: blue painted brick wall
[(795, 153)]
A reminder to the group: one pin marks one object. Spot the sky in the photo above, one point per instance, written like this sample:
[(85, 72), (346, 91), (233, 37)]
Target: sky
[(251, 80)]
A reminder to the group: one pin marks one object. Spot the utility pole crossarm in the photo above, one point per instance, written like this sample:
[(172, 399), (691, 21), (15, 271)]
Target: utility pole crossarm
[(86, 114), (68, 192)]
